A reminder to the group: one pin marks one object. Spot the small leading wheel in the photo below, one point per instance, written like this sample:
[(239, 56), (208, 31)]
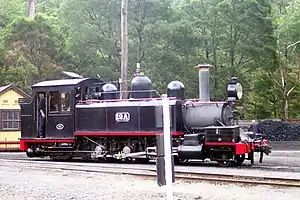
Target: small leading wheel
[(226, 156)]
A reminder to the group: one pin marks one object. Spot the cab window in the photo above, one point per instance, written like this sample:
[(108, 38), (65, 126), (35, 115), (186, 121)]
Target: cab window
[(59, 101), (65, 101), (54, 101)]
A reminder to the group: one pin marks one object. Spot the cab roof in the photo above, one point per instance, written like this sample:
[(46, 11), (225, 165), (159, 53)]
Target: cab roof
[(60, 82), (64, 84)]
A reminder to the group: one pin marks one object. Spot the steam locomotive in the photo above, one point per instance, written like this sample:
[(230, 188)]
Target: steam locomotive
[(92, 119)]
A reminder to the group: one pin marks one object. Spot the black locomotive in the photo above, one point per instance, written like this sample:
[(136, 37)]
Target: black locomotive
[(85, 117)]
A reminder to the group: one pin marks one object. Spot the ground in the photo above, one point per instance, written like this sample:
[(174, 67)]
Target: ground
[(19, 181)]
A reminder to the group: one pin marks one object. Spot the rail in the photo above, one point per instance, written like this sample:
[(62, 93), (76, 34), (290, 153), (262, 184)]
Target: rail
[(196, 177)]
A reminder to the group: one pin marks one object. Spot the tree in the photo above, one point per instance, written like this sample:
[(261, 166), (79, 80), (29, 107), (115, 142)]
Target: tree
[(234, 36), (93, 35), (11, 9), (38, 42), (288, 37)]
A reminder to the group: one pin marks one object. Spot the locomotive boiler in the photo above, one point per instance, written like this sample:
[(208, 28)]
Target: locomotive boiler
[(90, 118)]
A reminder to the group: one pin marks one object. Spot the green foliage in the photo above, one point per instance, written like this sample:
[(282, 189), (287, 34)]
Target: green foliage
[(93, 35), (10, 9)]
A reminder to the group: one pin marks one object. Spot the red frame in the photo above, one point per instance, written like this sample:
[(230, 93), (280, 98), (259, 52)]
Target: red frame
[(240, 148), (25, 143)]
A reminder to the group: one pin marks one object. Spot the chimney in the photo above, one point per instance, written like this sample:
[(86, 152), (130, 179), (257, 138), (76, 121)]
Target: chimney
[(204, 82)]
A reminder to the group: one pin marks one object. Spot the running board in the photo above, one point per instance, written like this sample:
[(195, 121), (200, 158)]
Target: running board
[(130, 155), (151, 151)]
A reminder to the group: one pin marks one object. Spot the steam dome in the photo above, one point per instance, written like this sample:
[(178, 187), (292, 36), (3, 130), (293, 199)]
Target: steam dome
[(141, 87), (110, 91), (175, 89)]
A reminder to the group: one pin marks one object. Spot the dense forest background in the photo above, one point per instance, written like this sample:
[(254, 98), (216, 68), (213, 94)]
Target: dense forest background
[(255, 40)]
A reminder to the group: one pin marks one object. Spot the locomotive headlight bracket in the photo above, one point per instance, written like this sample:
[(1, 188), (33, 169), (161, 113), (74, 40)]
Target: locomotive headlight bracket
[(234, 90)]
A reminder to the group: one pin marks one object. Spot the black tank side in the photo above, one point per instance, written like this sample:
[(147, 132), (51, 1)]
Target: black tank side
[(141, 87)]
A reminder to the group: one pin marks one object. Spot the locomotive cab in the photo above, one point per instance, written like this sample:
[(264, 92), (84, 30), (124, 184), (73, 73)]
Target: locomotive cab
[(50, 113)]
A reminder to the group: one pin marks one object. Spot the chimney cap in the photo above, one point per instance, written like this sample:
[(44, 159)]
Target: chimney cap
[(204, 66)]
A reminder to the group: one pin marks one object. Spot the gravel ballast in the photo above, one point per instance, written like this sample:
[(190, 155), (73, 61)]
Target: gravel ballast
[(22, 183)]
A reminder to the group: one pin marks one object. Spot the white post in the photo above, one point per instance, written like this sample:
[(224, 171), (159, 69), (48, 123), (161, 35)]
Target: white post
[(124, 48), (167, 146), (31, 8)]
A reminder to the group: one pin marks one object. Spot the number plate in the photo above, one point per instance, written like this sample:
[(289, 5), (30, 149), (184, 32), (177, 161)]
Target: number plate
[(122, 117)]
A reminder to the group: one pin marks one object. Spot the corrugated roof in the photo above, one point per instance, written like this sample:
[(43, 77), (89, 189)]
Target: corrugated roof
[(4, 87), (10, 86)]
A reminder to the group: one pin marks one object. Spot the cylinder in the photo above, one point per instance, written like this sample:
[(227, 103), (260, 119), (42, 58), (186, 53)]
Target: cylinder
[(204, 82), (190, 152)]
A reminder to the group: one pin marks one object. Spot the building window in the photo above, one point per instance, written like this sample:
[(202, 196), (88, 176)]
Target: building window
[(10, 119), (5, 101)]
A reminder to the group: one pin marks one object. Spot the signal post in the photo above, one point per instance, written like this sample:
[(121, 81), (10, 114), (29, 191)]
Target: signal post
[(165, 160)]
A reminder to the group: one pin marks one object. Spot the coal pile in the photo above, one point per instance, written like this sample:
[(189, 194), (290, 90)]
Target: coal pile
[(280, 131)]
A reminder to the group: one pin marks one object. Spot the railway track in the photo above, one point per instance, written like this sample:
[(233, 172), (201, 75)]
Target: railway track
[(200, 177), (151, 173), (267, 168), (281, 161)]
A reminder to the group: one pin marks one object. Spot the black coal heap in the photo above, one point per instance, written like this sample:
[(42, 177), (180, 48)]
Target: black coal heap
[(280, 131)]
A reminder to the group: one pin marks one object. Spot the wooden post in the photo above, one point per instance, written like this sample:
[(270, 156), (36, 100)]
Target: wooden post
[(124, 49), (31, 8)]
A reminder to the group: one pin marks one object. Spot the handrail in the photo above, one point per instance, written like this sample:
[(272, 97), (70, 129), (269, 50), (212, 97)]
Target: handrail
[(187, 101), (121, 100), (130, 91), (200, 100), (193, 102)]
